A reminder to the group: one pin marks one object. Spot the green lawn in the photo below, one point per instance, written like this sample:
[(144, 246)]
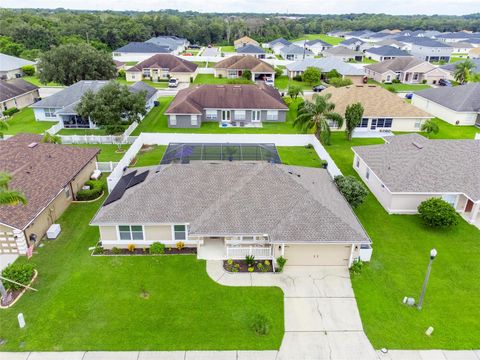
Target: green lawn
[(449, 131), (229, 48), (299, 155), (400, 257), (210, 79), (36, 81), (332, 40), (365, 60), (155, 84), (108, 152), (401, 87), (24, 122), (131, 63), (156, 121), (283, 82), (96, 303), (150, 156)]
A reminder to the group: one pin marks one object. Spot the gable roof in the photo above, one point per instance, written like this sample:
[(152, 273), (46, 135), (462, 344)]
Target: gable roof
[(342, 51), (279, 41), (290, 204), (326, 64), (387, 50), (143, 47), (248, 62), (402, 63), (245, 40), (421, 41), (250, 49), (173, 42), (295, 49), (8, 62), (390, 42), (40, 172), (351, 41), (413, 163), (318, 41), (459, 98), (194, 99), (165, 61), (141, 86), (10, 89), (376, 101)]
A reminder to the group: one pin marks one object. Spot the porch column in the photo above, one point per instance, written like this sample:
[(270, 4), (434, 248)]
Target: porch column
[(283, 250), (475, 211)]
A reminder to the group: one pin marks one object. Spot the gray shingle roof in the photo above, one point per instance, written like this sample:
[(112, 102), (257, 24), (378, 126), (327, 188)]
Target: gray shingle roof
[(451, 67), (228, 198), (294, 49), (387, 50), (397, 64), (8, 62), (326, 64), (412, 163), (141, 86), (250, 49), (279, 40), (318, 41), (342, 51), (421, 41), (351, 41), (144, 47), (458, 98), (15, 87)]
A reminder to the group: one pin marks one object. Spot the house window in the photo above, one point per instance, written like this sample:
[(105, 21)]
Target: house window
[(179, 232), (357, 163), (418, 123), (130, 232), (146, 72), (363, 123), (272, 115), (380, 123), (415, 76), (49, 112), (232, 73), (388, 123), (367, 174), (173, 119), (240, 114), (67, 192), (211, 114), (194, 120)]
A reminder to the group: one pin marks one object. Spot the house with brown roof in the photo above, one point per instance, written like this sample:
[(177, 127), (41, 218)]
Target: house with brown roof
[(383, 110), (162, 67), (50, 176), (17, 93), (229, 105), (409, 70), (244, 40), (233, 67)]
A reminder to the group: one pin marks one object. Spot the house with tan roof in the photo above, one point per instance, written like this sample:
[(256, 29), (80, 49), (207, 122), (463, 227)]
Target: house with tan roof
[(383, 110), (162, 67), (50, 176), (17, 93), (229, 104), (233, 67), (244, 40), (409, 70)]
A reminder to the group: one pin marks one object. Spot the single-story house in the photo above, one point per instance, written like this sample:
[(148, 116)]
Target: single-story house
[(139, 51), (227, 210), (49, 175), (385, 52), (461, 48), (409, 169), (317, 46), (11, 66), (353, 44), (229, 103), (383, 110), (358, 34), (474, 53), (450, 68), (294, 52), (277, 44), (151, 93), (244, 40), (252, 50), (409, 70), (174, 43), (391, 42), (343, 53), (427, 49), (325, 65), (17, 93), (61, 106), (234, 66), (162, 67), (458, 105)]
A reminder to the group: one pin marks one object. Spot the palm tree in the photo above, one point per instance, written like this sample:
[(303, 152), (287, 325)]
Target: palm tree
[(463, 70), (51, 138), (430, 127), (7, 196), (315, 116)]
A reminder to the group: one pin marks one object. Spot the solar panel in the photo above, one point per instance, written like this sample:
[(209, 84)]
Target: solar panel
[(120, 188), (137, 179)]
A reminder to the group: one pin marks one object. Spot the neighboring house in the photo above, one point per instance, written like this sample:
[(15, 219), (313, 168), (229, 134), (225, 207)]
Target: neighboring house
[(162, 67), (461, 48), (233, 67), (244, 40), (235, 104), (460, 36), (409, 70), (474, 53), (277, 44), (458, 105), (427, 49), (317, 46), (294, 52), (252, 50), (11, 66), (353, 44), (138, 51), (174, 43), (385, 52), (380, 36), (358, 34), (342, 53), (391, 42), (325, 65), (409, 169), (383, 110), (49, 175), (151, 93), (119, 65), (450, 68), (227, 210), (61, 106), (17, 93)]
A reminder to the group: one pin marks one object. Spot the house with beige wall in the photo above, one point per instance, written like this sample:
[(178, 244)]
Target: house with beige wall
[(50, 176), (11, 66), (234, 66), (161, 67), (17, 93), (347, 71), (230, 209), (409, 169)]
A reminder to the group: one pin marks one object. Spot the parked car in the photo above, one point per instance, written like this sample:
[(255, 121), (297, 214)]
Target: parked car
[(269, 81), (172, 83), (444, 82), (319, 88), (409, 96), (194, 46)]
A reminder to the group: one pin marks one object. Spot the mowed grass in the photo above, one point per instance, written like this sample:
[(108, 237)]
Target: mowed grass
[(401, 246), (299, 155), (211, 79), (24, 122), (96, 303), (332, 40), (155, 84), (150, 155), (36, 81), (401, 87), (228, 48), (284, 82), (98, 131), (449, 131), (108, 152)]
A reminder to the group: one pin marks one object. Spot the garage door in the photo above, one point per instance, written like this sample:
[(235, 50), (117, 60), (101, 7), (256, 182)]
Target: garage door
[(317, 254)]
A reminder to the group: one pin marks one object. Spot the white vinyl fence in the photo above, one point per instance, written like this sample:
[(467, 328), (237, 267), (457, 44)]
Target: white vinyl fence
[(477, 136), (130, 154), (130, 129), (97, 139), (55, 128)]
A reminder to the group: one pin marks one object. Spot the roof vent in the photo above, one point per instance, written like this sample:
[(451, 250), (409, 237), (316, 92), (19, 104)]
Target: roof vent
[(417, 145), (32, 145)]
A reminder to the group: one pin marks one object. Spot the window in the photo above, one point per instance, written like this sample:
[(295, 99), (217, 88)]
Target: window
[(211, 114), (363, 123), (129, 233), (415, 76), (367, 174), (173, 119), (380, 123), (232, 73), (240, 115), (418, 123), (49, 112), (146, 72), (179, 232), (67, 192), (357, 164), (388, 123), (194, 120), (451, 199), (272, 115)]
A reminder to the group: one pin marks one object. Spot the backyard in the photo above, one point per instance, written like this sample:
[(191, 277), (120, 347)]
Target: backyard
[(24, 122), (108, 152), (284, 82), (400, 87), (332, 40), (449, 131), (401, 246)]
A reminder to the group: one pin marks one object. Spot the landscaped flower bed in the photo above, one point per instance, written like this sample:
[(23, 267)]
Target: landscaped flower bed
[(248, 265), (155, 249), (21, 273)]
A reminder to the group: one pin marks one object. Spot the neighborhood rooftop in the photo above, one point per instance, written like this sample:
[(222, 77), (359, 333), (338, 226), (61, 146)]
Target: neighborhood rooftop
[(8, 62), (165, 61), (387, 50), (326, 64), (15, 87), (458, 98), (241, 62), (250, 49), (142, 47), (398, 64)]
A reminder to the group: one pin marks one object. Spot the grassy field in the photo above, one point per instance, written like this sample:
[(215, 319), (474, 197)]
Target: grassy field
[(108, 152), (365, 60), (211, 79), (401, 246), (328, 39), (299, 155), (449, 131), (24, 122), (229, 48), (283, 82), (36, 81), (401, 87), (150, 155)]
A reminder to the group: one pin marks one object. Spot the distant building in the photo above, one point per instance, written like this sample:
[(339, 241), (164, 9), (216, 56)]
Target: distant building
[(17, 93), (11, 66)]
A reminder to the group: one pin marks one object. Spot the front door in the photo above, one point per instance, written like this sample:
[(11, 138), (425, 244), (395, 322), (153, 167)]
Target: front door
[(469, 206), (373, 125), (226, 115), (256, 115)]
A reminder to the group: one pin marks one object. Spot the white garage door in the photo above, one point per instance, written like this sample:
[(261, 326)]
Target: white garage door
[(317, 254)]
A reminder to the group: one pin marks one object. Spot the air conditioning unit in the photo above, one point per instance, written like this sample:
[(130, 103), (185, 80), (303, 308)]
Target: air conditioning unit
[(53, 231)]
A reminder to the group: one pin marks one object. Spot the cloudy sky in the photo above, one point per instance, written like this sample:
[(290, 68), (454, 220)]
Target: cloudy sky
[(453, 7)]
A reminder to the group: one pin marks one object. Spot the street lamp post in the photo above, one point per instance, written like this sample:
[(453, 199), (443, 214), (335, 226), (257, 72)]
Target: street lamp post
[(433, 254)]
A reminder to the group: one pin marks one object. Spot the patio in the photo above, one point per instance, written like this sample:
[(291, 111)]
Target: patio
[(221, 248)]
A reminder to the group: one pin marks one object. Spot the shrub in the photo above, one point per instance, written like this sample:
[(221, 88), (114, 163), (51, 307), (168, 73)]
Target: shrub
[(311, 75), (339, 82), (250, 260), (21, 273), (436, 212), (333, 74), (247, 74), (180, 245), (122, 74), (157, 248), (352, 189), (95, 191), (260, 266), (260, 325), (395, 81), (356, 267), (251, 269), (51, 138), (230, 261), (281, 261), (424, 81), (10, 112), (98, 250), (116, 250), (390, 88), (294, 91), (220, 76), (309, 146), (278, 72), (297, 78), (131, 247), (288, 101), (28, 70)]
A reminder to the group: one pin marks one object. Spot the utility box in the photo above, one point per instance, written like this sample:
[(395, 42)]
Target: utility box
[(366, 252), (53, 231)]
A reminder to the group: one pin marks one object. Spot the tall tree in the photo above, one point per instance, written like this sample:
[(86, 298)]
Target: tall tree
[(317, 115), (312, 75), (463, 69), (294, 91), (8, 196), (69, 63), (353, 117)]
